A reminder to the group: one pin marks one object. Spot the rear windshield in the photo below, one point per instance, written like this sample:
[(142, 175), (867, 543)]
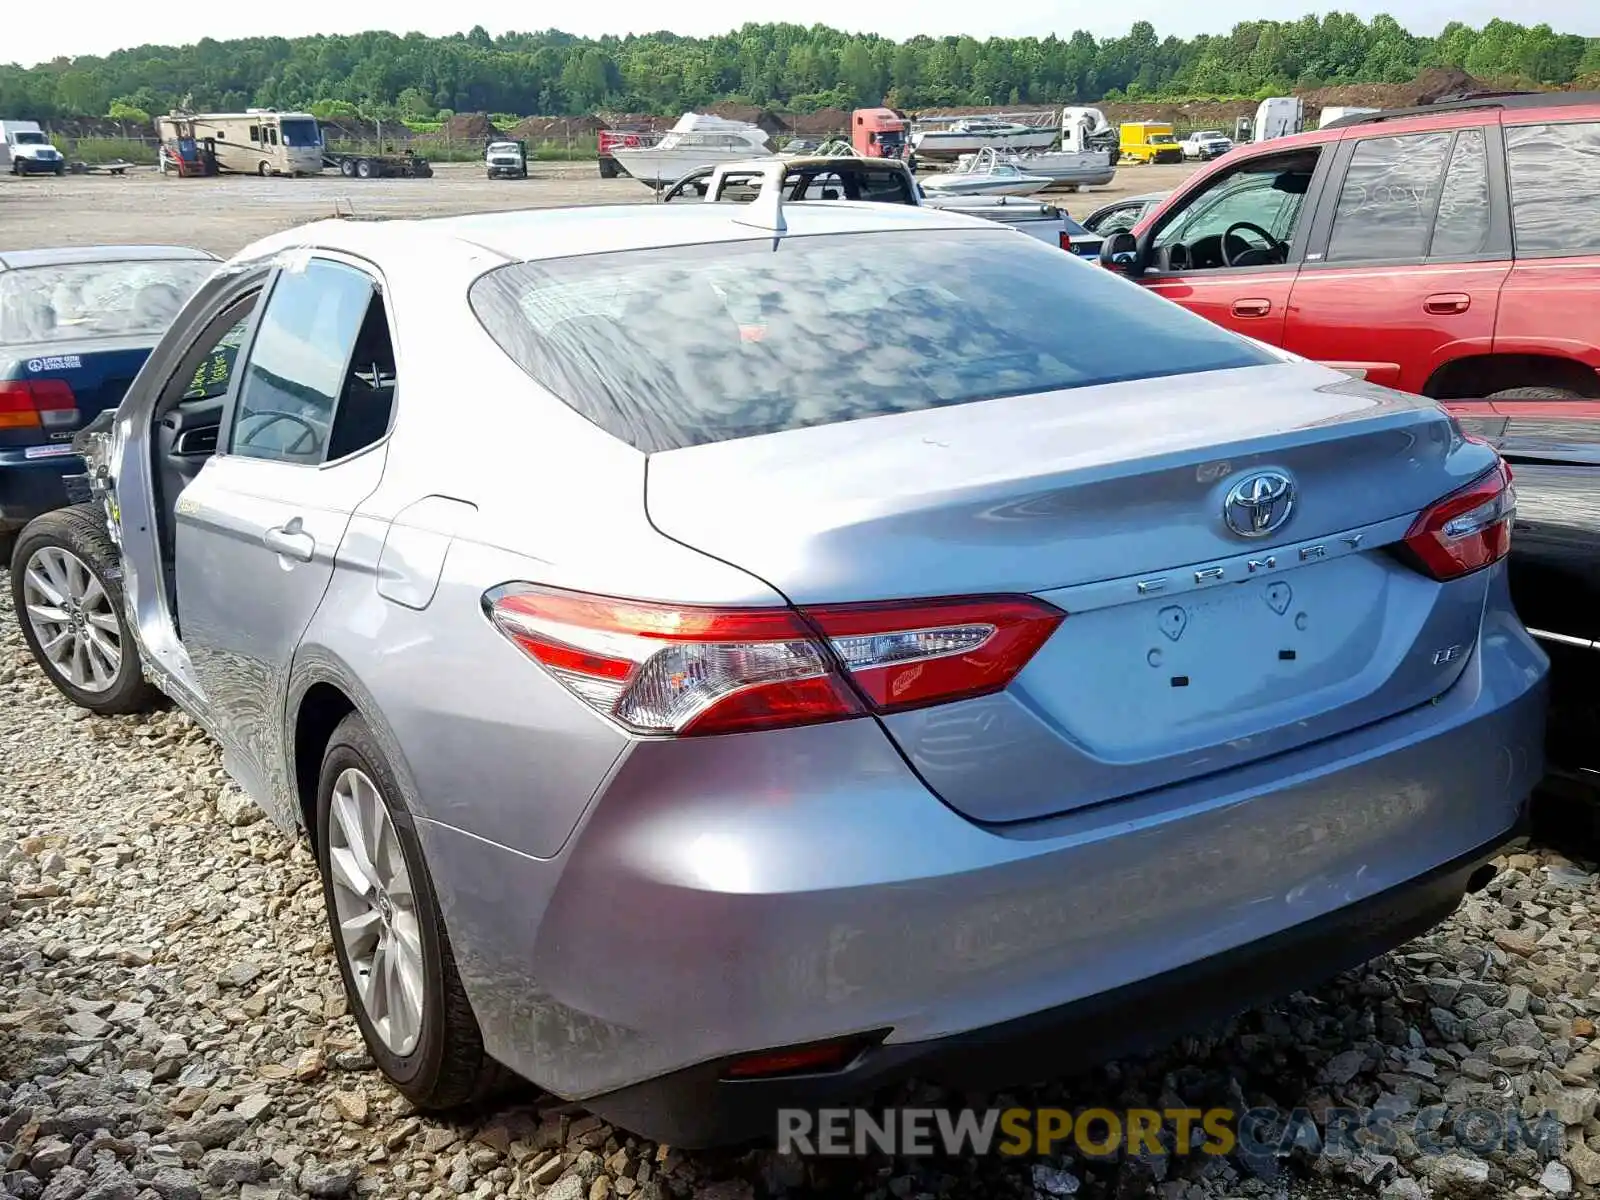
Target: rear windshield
[(687, 345), (51, 304)]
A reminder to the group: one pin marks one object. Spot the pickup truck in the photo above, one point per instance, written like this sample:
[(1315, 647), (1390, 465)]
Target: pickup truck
[(506, 159), (1206, 144), (878, 180)]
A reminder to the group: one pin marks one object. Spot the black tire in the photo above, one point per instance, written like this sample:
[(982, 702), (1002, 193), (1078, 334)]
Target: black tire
[(448, 1067), (347, 168), (364, 169), (263, 169), (1536, 393), (81, 531), (61, 169), (609, 168)]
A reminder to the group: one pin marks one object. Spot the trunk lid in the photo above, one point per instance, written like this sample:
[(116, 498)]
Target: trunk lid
[(97, 373), (1187, 648)]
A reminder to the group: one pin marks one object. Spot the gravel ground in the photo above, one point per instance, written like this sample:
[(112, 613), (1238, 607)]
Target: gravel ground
[(171, 1027)]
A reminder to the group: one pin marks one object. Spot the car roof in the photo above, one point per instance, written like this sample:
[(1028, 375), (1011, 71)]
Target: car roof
[(532, 234), (11, 260)]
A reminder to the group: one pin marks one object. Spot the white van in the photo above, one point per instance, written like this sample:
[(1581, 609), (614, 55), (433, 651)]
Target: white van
[(26, 150)]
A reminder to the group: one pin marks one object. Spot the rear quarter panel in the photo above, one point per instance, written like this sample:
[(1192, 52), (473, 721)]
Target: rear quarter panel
[(1552, 306)]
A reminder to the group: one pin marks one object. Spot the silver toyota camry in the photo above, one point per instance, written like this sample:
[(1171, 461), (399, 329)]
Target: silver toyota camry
[(727, 658)]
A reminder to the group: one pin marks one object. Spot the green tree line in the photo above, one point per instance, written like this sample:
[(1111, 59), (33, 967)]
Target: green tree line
[(390, 76)]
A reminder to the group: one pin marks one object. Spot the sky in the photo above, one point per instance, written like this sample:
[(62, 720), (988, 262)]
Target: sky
[(37, 32)]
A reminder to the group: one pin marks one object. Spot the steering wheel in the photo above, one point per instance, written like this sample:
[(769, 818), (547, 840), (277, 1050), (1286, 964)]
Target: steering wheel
[(1272, 247), (270, 417)]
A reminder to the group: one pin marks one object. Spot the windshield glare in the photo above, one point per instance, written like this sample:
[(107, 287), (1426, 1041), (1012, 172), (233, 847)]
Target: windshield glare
[(682, 346), (69, 303), (300, 131)]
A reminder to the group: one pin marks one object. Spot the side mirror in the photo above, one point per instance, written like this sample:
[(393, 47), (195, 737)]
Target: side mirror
[(1120, 252)]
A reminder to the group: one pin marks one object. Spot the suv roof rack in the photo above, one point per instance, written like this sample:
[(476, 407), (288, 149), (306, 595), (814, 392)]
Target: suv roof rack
[(1468, 102)]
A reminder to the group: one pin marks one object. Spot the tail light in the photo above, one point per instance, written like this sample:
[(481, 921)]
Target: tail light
[(1467, 530), (1066, 240), (37, 403), (681, 670)]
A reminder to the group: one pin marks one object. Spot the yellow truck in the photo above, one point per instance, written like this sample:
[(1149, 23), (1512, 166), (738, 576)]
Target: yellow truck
[(1150, 141)]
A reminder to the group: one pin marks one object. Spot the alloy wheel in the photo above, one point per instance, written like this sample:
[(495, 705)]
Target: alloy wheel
[(375, 910), (72, 619)]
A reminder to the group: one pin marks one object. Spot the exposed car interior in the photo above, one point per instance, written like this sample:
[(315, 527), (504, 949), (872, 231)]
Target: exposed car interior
[(1246, 217), (812, 182)]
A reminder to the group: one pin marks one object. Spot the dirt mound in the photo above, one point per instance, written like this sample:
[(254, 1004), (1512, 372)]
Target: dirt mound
[(1185, 116), (548, 129), (469, 127), (635, 122), (825, 122)]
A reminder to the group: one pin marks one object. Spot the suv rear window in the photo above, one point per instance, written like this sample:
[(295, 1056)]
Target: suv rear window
[(666, 348)]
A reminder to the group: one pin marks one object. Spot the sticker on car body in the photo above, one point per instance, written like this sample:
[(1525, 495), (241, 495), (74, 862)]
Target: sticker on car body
[(56, 362)]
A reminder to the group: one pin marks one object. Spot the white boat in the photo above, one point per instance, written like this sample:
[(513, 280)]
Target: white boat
[(987, 177), (1064, 168), (697, 140), (971, 134)]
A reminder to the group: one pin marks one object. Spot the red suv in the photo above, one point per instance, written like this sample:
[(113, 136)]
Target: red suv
[(1451, 250)]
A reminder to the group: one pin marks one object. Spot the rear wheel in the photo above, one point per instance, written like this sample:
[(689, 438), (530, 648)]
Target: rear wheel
[(263, 169), (1536, 393), (347, 167), (67, 588), (364, 169), (390, 941)]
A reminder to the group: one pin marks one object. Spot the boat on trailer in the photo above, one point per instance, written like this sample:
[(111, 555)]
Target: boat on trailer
[(697, 140)]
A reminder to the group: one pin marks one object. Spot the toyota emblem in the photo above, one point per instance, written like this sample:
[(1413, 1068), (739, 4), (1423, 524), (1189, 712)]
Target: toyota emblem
[(1259, 503)]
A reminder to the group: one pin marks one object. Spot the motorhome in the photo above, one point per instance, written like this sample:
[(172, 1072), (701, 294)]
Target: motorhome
[(255, 142)]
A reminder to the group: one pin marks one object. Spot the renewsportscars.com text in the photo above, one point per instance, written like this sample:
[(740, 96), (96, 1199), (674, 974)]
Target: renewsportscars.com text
[(1104, 1132)]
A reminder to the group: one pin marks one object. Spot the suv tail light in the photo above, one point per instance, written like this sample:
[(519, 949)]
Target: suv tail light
[(1467, 530), (37, 403), (1065, 239), (681, 670)]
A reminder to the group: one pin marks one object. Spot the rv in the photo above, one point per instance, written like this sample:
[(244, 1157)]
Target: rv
[(255, 142)]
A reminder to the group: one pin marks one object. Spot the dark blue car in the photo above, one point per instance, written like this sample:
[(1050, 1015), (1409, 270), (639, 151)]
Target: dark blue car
[(76, 324)]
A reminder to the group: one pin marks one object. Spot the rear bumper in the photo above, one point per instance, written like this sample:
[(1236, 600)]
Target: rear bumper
[(729, 895), (698, 1106), (32, 486)]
